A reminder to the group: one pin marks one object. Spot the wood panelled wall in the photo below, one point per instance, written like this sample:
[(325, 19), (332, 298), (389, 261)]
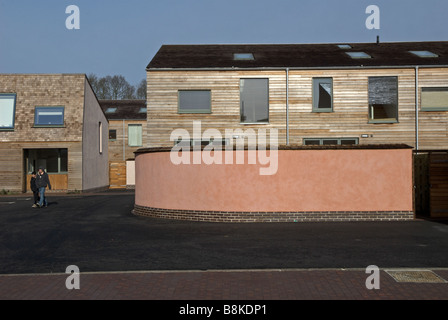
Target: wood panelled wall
[(119, 149), (350, 100), (12, 164)]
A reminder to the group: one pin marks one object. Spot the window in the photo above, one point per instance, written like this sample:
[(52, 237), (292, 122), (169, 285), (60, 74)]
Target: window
[(49, 116), (143, 110), (358, 55), (7, 111), (135, 135), (195, 101), (424, 54), (113, 135), (345, 46), (243, 56), (322, 94), (254, 100), (383, 99), (435, 99), (53, 160), (330, 141), (100, 136)]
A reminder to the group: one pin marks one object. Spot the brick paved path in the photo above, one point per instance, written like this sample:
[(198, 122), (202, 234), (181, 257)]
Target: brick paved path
[(219, 285)]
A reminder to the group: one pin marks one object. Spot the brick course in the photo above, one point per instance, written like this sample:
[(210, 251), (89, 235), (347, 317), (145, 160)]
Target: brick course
[(252, 217)]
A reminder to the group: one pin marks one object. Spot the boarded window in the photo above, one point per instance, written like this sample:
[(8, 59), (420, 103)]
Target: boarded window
[(194, 101), (322, 94), (135, 133), (7, 110), (254, 99), (383, 99), (435, 99)]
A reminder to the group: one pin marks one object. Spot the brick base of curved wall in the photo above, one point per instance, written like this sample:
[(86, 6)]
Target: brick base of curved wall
[(241, 217)]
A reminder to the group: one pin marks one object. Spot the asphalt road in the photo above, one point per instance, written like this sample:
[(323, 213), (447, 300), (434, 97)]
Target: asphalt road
[(99, 233)]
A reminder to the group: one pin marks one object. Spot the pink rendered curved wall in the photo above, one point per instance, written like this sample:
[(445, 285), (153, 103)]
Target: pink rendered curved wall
[(306, 181)]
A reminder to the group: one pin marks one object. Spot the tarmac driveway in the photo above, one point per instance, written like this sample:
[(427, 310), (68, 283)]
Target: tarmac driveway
[(99, 233)]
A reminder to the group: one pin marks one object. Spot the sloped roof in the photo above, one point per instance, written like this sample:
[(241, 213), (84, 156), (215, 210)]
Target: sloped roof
[(298, 55), (125, 109)]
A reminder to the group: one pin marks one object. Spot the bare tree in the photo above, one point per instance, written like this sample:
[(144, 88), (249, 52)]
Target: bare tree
[(141, 90), (112, 87)]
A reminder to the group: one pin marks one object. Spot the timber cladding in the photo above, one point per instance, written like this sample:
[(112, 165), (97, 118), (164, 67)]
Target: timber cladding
[(73, 93), (349, 119), (47, 91), (119, 149)]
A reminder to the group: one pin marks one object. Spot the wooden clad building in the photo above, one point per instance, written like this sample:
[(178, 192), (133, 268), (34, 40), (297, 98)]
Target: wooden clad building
[(52, 121), (313, 94), (127, 133)]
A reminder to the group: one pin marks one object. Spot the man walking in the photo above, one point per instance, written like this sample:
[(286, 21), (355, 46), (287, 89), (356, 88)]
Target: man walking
[(42, 181)]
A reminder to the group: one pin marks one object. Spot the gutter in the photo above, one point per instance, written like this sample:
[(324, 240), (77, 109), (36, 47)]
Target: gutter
[(297, 68)]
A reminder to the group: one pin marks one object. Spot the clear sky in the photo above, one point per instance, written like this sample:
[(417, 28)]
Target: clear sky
[(121, 37)]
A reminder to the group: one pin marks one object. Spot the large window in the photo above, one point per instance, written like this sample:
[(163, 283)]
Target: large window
[(383, 99), (135, 133), (194, 101), (330, 141), (49, 116), (53, 160), (322, 94), (254, 99), (7, 111), (435, 99)]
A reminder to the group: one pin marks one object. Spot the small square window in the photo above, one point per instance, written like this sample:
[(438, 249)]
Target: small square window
[(113, 135), (424, 54), (358, 55), (49, 116), (243, 56)]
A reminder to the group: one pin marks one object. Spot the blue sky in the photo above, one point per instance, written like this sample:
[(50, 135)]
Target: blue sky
[(121, 37)]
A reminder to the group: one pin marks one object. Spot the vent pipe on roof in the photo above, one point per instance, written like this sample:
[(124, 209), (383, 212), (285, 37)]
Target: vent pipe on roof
[(377, 39)]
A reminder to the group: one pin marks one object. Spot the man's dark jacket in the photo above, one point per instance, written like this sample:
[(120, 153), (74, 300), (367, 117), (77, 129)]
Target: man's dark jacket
[(42, 181)]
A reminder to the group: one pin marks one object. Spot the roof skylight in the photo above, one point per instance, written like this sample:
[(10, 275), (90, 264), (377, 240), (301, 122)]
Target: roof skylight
[(344, 46), (111, 110), (142, 110), (358, 55), (243, 56), (424, 54)]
